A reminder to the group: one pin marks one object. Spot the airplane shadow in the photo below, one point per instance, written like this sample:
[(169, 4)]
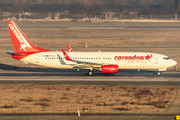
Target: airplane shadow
[(71, 72), (24, 69)]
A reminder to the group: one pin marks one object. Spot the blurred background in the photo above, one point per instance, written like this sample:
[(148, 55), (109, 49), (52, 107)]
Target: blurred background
[(89, 10)]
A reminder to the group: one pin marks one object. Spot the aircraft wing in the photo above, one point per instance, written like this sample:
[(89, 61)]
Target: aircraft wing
[(82, 64)]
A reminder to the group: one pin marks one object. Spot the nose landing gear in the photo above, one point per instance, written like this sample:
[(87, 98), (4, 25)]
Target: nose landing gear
[(90, 73)]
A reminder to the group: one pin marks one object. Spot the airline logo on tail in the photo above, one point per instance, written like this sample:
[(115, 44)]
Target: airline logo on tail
[(19, 36)]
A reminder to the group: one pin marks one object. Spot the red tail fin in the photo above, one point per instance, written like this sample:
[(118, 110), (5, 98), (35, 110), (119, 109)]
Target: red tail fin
[(19, 40)]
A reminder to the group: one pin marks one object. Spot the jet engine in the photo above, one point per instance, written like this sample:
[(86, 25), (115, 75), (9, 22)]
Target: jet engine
[(109, 69)]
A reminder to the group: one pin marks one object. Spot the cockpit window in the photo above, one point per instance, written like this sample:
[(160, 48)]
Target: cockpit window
[(166, 58)]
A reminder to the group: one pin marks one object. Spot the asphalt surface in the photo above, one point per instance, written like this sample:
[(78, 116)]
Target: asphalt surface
[(73, 75), (97, 25)]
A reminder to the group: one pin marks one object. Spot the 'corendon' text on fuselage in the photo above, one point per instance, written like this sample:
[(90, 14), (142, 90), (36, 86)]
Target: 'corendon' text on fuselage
[(133, 58)]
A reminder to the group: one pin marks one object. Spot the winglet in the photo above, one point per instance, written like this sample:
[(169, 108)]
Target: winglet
[(69, 48), (66, 55)]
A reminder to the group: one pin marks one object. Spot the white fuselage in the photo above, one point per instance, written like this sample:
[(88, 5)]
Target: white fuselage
[(124, 60)]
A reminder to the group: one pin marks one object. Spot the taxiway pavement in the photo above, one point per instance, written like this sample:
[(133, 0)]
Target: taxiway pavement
[(82, 76)]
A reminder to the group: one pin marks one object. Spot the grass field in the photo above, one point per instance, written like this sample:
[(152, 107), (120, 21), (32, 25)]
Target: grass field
[(98, 97), (31, 98)]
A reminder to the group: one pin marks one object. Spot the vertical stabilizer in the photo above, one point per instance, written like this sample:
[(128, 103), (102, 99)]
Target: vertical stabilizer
[(19, 40)]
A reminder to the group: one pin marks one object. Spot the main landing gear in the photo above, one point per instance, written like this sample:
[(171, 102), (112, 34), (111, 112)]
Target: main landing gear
[(90, 73), (158, 73)]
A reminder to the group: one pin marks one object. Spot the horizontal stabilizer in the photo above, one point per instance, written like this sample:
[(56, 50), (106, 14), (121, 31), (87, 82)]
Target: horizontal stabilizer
[(13, 53)]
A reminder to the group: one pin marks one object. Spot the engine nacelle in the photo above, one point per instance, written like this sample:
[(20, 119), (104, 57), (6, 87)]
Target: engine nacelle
[(109, 68)]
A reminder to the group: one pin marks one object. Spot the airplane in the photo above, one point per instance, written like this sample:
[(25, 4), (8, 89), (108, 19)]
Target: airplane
[(106, 62)]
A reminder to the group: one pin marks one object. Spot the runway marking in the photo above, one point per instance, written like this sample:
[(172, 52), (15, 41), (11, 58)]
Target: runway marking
[(84, 79), (97, 27)]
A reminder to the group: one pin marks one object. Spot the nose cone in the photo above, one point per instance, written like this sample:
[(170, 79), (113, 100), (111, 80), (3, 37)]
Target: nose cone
[(173, 62)]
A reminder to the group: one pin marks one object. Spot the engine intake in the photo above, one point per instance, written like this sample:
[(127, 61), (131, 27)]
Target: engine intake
[(109, 68)]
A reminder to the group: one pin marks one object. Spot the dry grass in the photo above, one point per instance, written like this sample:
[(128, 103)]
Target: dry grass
[(43, 104), (95, 98), (29, 99)]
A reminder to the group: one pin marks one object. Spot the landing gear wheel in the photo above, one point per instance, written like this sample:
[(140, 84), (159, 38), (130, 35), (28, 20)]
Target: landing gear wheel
[(158, 73), (90, 73)]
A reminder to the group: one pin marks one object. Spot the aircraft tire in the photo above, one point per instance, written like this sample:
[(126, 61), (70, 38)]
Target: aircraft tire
[(90, 73)]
